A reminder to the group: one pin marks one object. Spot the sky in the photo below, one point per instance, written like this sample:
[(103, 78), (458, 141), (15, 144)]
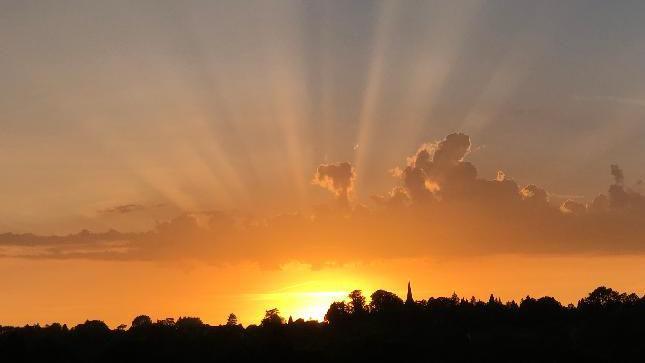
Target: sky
[(201, 158)]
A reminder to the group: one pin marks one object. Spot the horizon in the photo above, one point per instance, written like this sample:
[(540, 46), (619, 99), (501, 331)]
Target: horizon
[(250, 306), (347, 299)]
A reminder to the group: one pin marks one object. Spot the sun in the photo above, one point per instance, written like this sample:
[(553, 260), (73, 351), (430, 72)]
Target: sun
[(307, 305), (310, 305)]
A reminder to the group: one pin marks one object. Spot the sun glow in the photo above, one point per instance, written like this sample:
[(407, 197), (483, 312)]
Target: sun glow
[(308, 305), (306, 293)]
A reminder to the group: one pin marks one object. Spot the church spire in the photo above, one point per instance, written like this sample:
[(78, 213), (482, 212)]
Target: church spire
[(409, 300)]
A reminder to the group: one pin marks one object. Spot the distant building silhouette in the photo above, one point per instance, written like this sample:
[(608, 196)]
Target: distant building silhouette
[(409, 300)]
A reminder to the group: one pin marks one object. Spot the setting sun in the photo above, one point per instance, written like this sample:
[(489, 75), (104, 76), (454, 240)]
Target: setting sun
[(304, 305)]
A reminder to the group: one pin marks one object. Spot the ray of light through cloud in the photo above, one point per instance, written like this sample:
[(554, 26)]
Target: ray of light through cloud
[(386, 14)]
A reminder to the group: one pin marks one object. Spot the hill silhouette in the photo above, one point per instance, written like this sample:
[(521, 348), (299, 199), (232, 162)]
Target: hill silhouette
[(605, 326)]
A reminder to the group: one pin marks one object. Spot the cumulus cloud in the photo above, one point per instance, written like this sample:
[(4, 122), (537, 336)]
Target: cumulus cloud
[(337, 178), (398, 197), (622, 197), (440, 207), (438, 170), (452, 149)]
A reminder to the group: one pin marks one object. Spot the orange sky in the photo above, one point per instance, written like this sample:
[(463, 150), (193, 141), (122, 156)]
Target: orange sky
[(72, 291)]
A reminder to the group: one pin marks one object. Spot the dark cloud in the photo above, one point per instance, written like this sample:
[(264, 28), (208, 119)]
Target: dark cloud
[(452, 149), (124, 209), (622, 198), (84, 236), (415, 181), (397, 198), (439, 170), (618, 175), (337, 178), (85, 244)]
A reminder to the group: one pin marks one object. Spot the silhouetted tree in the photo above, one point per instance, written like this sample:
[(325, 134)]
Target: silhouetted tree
[(141, 320), (543, 309), (385, 302), (601, 297), (491, 300), (57, 327), (631, 299), (357, 302), (186, 322), (272, 318), (512, 305), (338, 312), (168, 322), (440, 303), (232, 320), (93, 329)]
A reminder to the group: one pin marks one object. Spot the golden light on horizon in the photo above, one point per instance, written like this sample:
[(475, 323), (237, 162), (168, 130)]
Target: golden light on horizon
[(306, 305)]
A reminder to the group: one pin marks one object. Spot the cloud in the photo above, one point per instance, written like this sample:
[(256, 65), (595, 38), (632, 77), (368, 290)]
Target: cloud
[(337, 178), (438, 170), (573, 207), (452, 149), (84, 244), (534, 194), (618, 175), (128, 208), (398, 197), (622, 197), (84, 236), (440, 207), (123, 209)]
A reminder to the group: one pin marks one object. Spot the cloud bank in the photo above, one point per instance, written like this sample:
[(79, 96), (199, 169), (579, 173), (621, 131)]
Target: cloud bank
[(440, 207)]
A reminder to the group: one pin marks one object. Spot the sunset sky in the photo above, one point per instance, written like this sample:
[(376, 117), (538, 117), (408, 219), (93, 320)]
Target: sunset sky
[(200, 158)]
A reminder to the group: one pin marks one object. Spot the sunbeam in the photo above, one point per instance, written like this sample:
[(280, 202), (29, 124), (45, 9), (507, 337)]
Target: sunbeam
[(374, 79)]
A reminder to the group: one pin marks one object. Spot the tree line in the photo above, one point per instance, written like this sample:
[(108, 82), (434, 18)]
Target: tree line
[(604, 326)]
